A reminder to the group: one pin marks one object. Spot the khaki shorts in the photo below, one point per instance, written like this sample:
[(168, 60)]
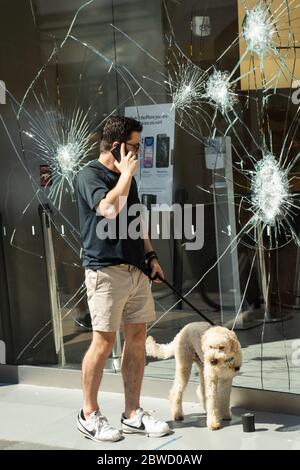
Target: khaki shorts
[(118, 295)]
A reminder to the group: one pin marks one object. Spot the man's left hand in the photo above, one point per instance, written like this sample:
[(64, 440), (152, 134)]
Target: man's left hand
[(156, 269)]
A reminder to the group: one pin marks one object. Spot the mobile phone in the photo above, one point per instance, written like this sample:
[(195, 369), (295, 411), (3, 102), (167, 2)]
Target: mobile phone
[(162, 150), (116, 151), (148, 152)]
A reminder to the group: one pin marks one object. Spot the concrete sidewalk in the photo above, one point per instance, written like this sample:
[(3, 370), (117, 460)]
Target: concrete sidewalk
[(35, 417)]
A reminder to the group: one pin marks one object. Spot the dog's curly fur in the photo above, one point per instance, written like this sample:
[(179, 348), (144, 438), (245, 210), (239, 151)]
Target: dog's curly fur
[(217, 353)]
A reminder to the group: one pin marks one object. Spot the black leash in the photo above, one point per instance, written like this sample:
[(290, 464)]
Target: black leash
[(157, 276)]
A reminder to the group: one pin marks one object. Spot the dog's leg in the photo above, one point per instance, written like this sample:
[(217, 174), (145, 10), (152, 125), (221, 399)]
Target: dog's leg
[(224, 391), (201, 387), (184, 361), (211, 382)]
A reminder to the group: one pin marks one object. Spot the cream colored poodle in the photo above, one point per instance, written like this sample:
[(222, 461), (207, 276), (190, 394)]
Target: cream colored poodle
[(217, 353)]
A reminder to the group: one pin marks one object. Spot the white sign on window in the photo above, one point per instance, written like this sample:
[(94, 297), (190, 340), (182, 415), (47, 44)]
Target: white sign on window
[(155, 173)]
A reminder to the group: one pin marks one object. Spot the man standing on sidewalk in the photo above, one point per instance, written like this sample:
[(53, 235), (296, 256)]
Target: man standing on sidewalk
[(118, 291)]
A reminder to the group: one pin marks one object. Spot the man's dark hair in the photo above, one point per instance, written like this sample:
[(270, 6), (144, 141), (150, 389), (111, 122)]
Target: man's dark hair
[(117, 128)]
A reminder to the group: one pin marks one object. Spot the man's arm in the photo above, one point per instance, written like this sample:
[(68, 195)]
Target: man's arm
[(148, 245), (154, 264), (116, 198)]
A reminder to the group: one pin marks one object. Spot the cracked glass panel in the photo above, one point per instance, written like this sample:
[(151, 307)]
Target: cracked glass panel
[(229, 72)]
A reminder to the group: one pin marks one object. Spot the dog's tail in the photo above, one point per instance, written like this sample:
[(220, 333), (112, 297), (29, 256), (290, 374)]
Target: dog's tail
[(160, 351)]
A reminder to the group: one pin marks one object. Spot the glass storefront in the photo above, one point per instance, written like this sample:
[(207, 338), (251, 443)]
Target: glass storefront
[(66, 67)]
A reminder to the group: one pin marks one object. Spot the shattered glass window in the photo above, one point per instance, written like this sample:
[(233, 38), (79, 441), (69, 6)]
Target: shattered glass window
[(230, 72)]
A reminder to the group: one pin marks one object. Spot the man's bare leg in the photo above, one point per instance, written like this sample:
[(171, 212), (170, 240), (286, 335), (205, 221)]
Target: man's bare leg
[(133, 364), (92, 368)]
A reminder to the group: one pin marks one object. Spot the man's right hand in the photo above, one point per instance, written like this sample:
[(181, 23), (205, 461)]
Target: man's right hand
[(128, 163)]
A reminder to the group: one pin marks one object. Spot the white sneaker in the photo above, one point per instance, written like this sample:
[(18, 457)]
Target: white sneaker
[(97, 428), (144, 423)]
